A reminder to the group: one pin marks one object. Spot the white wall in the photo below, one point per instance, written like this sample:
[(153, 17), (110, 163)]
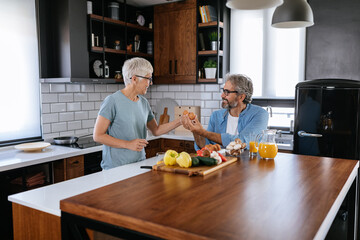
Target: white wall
[(71, 109)]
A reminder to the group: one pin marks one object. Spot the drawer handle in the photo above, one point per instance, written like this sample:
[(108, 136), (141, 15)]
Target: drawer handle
[(181, 144), (76, 162)]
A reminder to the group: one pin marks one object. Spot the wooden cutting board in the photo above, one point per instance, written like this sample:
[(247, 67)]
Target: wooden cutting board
[(194, 171), (164, 118)]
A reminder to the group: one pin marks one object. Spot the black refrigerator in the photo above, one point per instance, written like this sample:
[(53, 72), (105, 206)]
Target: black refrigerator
[(327, 118)]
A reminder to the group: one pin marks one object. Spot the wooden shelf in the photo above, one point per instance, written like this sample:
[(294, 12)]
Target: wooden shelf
[(120, 23), (207, 80), (210, 52), (210, 24), (122, 52), (140, 54)]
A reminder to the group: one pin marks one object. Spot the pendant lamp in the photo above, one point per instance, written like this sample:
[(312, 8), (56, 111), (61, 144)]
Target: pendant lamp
[(293, 14), (252, 4)]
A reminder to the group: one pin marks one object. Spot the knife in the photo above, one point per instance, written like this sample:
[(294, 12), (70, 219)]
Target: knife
[(147, 167)]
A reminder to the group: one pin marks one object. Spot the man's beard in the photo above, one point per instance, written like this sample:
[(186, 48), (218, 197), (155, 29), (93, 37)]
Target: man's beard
[(229, 105)]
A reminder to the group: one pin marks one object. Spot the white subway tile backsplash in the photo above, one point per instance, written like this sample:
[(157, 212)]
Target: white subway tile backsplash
[(206, 96), (93, 114), (199, 88), (87, 87), (50, 136), (49, 98), (205, 112), (75, 106), (50, 117), (73, 125), (66, 116), (66, 97), (113, 87), (67, 133), (72, 88), (156, 95), (45, 88), (212, 104), (212, 88), (46, 128), (58, 107), (216, 96), (169, 95), (80, 97), (87, 106), (100, 88), (161, 88), (94, 96), (187, 102), (104, 95), (56, 88), (59, 127), (194, 95), (81, 115), (45, 108), (175, 88), (180, 95), (88, 123)]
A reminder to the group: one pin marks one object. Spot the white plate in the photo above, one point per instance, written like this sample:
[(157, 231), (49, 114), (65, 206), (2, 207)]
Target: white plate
[(32, 147), (161, 104), (97, 68)]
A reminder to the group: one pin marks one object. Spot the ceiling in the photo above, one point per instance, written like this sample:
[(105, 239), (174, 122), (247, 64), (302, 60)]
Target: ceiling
[(144, 3)]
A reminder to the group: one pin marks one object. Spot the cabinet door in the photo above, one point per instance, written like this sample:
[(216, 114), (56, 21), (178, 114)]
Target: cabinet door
[(184, 33), (68, 168), (163, 54)]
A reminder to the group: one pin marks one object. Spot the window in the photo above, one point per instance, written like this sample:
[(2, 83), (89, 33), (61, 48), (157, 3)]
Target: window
[(19, 86), (273, 58)]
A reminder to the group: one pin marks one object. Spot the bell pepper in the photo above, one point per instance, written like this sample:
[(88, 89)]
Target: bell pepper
[(222, 157), (199, 153)]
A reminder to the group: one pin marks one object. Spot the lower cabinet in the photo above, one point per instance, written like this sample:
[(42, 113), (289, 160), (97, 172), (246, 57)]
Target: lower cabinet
[(162, 145), (68, 168)]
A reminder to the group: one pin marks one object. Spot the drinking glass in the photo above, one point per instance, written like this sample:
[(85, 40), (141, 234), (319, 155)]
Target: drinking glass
[(253, 144)]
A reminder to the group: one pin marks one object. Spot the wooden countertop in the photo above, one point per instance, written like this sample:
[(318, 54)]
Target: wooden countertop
[(291, 197)]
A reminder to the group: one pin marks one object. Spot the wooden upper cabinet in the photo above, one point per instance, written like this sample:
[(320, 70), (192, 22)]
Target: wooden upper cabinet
[(175, 42)]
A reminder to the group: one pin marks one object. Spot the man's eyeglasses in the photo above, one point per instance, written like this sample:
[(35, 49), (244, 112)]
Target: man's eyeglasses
[(227, 92), (148, 78)]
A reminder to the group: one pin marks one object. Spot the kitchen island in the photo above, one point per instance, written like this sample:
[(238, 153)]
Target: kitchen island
[(291, 197)]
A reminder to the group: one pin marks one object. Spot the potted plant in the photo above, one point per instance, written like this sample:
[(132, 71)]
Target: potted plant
[(213, 36), (210, 68)]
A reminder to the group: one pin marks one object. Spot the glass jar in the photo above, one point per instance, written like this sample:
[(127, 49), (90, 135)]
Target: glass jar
[(117, 45), (114, 10), (268, 148), (118, 75)]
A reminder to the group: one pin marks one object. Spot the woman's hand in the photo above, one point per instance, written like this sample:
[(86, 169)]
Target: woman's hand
[(193, 125), (137, 144)]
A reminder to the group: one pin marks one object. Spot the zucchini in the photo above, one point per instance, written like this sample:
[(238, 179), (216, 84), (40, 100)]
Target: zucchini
[(195, 162), (207, 161)]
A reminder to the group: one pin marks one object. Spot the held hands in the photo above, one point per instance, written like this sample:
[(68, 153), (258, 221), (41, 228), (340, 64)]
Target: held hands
[(137, 144), (193, 125)]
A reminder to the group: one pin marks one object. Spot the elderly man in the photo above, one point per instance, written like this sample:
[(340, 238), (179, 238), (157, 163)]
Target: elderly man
[(238, 118)]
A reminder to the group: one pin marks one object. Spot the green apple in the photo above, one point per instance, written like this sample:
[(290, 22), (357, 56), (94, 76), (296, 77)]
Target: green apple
[(170, 157)]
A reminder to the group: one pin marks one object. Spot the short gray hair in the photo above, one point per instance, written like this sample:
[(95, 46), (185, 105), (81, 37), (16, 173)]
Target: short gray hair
[(136, 66), (243, 85)]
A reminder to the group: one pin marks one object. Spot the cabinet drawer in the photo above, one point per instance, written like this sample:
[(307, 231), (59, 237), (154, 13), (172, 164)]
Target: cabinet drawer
[(68, 168), (172, 143)]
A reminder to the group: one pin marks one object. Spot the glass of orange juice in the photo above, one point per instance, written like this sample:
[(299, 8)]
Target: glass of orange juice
[(253, 145)]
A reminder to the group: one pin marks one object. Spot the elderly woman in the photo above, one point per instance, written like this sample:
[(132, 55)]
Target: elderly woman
[(125, 116)]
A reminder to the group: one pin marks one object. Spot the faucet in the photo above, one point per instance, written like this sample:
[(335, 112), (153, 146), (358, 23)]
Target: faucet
[(269, 110)]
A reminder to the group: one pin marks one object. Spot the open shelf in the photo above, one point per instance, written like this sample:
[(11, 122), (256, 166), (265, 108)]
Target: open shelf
[(209, 80), (210, 53), (210, 24), (119, 22), (123, 52)]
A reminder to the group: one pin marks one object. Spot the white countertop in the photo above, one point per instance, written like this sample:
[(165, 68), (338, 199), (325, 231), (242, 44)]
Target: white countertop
[(11, 158), (47, 199)]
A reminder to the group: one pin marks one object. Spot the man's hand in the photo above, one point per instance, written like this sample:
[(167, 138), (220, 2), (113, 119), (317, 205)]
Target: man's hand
[(137, 144), (193, 125)]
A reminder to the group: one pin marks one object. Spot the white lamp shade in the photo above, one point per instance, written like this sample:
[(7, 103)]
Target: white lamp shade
[(293, 14), (252, 4)]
